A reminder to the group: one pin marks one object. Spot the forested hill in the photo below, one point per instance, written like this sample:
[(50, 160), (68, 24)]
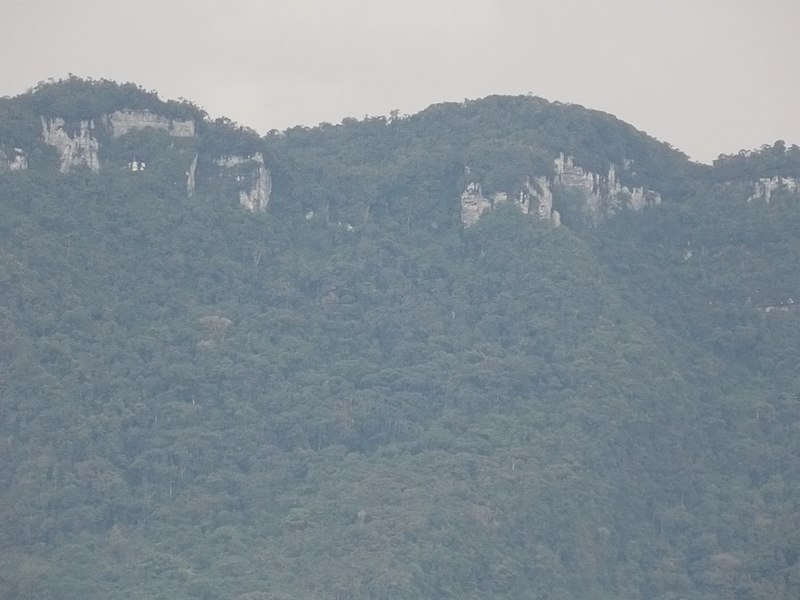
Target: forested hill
[(278, 367)]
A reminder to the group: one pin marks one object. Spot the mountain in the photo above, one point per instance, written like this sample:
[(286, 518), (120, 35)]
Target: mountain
[(500, 348)]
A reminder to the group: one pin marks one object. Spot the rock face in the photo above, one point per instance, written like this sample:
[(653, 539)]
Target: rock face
[(473, 204), (78, 147), (537, 192), (600, 196), (122, 121), (14, 160), (252, 178), (764, 187), (604, 195), (191, 177), (256, 198)]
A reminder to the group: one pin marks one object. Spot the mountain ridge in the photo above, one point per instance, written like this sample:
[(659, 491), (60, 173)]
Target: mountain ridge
[(351, 395), (75, 113), (77, 116)]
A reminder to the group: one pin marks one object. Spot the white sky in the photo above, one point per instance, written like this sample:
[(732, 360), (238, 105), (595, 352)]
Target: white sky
[(707, 76)]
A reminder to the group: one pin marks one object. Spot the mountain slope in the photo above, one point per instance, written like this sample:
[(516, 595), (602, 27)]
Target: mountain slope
[(203, 402)]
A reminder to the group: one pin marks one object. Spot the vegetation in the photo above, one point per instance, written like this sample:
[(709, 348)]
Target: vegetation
[(200, 402), (75, 98), (767, 161)]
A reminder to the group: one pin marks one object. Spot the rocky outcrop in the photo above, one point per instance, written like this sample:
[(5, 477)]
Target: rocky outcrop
[(122, 121), (77, 144), (13, 160), (473, 204), (256, 197), (252, 178), (766, 186), (191, 177), (602, 195), (537, 196), (534, 197), (76, 147), (598, 196)]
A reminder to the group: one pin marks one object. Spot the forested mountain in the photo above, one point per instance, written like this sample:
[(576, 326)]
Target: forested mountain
[(277, 367)]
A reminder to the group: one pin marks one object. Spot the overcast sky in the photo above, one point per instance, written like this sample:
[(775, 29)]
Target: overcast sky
[(707, 76)]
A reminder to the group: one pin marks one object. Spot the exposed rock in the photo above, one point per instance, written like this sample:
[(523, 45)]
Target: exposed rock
[(537, 192), (257, 197), (252, 178), (191, 177), (15, 160), (499, 198), (185, 128), (123, 121), (600, 196), (76, 148), (603, 196), (574, 177), (473, 204), (79, 146), (764, 187)]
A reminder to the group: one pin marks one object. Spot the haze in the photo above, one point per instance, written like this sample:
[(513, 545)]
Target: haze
[(708, 77)]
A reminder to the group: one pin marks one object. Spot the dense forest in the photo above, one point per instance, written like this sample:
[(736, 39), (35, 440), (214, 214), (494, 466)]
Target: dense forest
[(352, 396)]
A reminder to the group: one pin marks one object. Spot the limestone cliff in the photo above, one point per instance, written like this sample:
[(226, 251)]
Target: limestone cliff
[(252, 179), (599, 196), (766, 186), (535, 196), (191, 177), (76, 147), (537, 193), (473, 204), (603, 195), (122, 121)]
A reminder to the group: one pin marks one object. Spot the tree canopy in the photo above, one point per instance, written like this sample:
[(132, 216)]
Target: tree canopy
[(351, 396)]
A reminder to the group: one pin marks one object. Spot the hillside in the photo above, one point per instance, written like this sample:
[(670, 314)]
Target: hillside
[(306, 375)]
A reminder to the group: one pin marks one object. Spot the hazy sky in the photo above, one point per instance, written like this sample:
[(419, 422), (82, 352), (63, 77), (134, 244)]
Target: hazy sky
[(708, 76)]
